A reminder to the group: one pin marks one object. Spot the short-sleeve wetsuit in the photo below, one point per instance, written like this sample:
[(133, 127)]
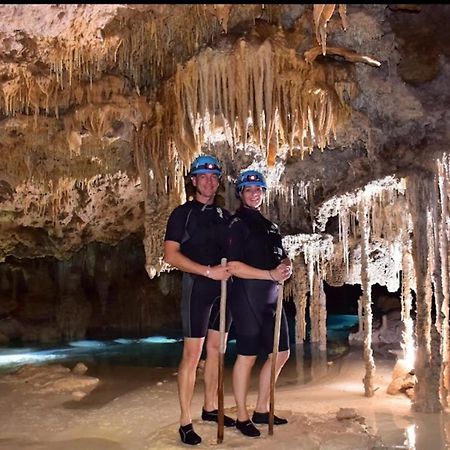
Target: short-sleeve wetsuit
[(201, 231), (256, 241)]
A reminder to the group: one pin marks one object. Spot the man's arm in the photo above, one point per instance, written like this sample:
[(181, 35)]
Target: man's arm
[(174, 257)]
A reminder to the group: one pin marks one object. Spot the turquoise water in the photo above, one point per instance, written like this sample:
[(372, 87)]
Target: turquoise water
[(338, 325), (152, 351)]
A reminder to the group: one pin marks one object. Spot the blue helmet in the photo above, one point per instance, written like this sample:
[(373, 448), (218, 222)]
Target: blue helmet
[(250, 178), (205, 164)]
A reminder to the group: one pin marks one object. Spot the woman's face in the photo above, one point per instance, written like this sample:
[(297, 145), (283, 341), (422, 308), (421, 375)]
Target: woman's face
[(252, 196)]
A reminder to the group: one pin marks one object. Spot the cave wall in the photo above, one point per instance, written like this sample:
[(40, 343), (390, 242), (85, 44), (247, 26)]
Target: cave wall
[(103, 291)]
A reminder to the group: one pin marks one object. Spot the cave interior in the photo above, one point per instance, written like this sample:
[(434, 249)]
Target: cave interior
[(344, 108)]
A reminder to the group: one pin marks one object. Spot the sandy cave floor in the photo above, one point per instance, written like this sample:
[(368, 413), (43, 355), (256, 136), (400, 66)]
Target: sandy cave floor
[(137, 409)]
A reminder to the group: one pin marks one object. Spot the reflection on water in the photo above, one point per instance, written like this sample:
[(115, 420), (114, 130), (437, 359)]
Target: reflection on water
[(425, 432)]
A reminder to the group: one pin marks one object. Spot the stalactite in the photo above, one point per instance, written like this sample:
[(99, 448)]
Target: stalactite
[(344, 235), (251, 90), (316, 251), (386, 198), (321, 15), (363, 217)]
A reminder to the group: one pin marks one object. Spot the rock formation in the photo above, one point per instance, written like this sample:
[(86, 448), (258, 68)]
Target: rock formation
[(345, 109)]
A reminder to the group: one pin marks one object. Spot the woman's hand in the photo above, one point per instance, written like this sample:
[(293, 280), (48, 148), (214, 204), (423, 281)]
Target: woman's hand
[(218, 272), (281, 273)]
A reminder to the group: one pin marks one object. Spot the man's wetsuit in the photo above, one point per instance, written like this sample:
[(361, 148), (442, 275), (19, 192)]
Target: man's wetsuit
[(201, 232), (255, 241)]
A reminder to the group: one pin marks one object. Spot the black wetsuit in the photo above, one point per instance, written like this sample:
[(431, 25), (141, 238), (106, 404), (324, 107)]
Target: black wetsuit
[(255, 241), (201, 232)]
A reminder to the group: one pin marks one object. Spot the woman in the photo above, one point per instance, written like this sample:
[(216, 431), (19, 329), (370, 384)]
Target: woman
[(257, 262)]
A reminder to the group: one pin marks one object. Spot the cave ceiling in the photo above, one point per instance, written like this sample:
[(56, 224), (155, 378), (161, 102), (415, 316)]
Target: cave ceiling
[(103, 107)]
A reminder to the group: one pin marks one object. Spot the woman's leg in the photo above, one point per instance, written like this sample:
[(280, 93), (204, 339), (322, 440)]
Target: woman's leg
[(262, 402), (241, 382)]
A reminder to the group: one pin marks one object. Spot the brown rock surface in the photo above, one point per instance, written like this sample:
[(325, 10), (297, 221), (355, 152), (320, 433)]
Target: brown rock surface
[(86, 109)]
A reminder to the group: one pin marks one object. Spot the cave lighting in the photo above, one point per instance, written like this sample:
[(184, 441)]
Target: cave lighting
[(410, 357), (410, 437)]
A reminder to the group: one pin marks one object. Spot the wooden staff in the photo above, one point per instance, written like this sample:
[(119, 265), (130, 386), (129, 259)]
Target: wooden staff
[(276, 341), (223, 304)]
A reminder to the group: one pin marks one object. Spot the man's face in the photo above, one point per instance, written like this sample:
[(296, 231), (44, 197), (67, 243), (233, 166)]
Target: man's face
[(206, 184)]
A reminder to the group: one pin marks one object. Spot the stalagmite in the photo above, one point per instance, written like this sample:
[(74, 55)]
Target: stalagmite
[(322, 318), (408, 344), (442, 238), (437, 362), (314, 308), (297, 289)]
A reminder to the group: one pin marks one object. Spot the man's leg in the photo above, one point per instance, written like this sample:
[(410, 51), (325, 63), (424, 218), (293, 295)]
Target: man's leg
[(262, 402), (187, 372), (211, 373)]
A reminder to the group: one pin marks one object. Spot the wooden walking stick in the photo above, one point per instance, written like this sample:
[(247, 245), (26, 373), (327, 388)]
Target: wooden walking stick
[(276, 341), (223, 304)]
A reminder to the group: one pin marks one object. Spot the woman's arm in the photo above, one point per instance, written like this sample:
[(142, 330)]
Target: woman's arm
[(242, 270)]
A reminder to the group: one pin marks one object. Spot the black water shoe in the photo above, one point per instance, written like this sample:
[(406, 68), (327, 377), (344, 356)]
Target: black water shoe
[(188, 435), (246, 427), (261, 418), (213, 416)]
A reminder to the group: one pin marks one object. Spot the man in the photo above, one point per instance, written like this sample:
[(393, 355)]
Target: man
[(195, 242)]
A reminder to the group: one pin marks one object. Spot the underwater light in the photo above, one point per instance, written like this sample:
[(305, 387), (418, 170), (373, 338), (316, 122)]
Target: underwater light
[(26, 358), (124, 341), (88, 344), (158, 340)]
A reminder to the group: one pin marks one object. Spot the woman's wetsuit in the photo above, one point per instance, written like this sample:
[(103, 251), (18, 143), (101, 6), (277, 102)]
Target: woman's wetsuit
[(255, 241), (201, 232)]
